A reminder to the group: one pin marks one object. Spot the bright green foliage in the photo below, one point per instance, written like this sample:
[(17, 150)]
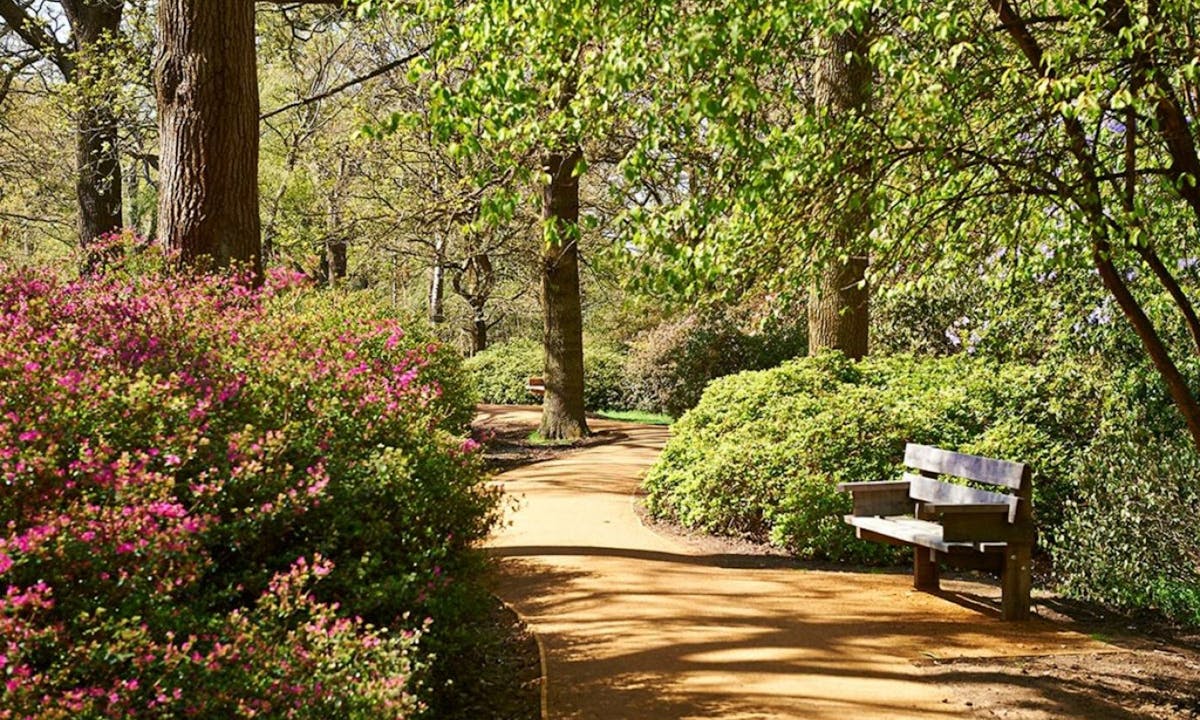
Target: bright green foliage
[(513, 81), (669, 366), (1132, 534), (500, 374), (761, 454)]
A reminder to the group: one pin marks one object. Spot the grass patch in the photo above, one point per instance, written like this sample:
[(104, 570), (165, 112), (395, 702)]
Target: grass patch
[(637, 416), (535, 438)]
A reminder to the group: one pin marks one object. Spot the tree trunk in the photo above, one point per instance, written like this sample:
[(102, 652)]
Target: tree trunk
[(562, 407), (1181, 394), (94, 25), (839, 310), (437, 283), (335, 249), (839, 302), (479, 330), (207, 84), (98, 181)]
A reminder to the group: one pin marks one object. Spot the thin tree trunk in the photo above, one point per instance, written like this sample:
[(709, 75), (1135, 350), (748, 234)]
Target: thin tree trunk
[(479, 330), (562, 407), (1177, 385), (336, 251), (437, 283), (839, 301), (208, 105), (98, 190), (98, 181), (336, 245)]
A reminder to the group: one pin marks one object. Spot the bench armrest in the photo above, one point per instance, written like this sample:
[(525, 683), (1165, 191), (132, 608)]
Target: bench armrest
[(879, 498), (872, 486)]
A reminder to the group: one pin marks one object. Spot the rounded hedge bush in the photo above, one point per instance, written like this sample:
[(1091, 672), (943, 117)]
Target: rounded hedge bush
[(1131, 534), (762, 452), (223, 501), (499, 374), (669, 366)]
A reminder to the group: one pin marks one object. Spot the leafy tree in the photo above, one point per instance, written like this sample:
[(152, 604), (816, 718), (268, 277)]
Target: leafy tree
[(546, 79), (87, 58)]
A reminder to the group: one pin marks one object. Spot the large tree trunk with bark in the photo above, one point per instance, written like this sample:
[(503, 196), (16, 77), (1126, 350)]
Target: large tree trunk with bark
[(95, 24), (839, 301), (208, 121), (562, 406), (839, 309)]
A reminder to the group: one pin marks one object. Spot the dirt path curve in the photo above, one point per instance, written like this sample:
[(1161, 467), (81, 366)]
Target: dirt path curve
[(639, 626)]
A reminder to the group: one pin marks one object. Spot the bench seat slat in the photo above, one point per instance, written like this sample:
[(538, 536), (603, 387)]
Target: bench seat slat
[(972, 467), (917, 532), (977, 508)]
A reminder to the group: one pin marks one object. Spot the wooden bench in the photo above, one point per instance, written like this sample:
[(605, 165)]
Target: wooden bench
[(952, 523), (536, 386)]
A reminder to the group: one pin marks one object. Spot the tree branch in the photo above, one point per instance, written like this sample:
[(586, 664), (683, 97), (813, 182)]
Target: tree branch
[(383, 70), (27, 26)]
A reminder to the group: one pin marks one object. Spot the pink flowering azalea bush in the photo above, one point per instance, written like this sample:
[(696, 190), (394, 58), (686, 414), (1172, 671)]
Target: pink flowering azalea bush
[(221, 501)]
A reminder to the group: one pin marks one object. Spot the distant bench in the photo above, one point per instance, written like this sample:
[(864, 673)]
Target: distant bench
[(536, 386), (951, 523)]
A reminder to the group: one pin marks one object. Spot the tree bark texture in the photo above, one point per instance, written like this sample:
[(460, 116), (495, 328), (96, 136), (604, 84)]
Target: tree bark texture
[(208, 105), (437, 283), (839, 301), (479, 330), (562, 406), (95, 24), (474, 282)]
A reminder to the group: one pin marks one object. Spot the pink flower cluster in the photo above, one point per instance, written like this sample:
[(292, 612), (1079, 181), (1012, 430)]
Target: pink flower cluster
[(165, 442)]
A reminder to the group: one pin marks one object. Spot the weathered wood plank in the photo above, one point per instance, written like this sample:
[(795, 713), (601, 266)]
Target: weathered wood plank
[(879, 498), (925, 569), (971, 467), (976, 527), (938, 493), (911, 531), (872, 486), (905, 529), (1016, 583)]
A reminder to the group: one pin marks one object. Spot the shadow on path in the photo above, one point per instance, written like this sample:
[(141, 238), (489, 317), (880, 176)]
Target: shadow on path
[(639, 626)]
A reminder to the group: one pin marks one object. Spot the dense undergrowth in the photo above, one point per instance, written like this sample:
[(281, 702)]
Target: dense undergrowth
[(1114, 490), (222, 501), (662, 371), (500, 374)]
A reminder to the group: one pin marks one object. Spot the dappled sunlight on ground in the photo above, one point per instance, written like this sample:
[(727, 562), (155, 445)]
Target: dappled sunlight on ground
[(640, 625)]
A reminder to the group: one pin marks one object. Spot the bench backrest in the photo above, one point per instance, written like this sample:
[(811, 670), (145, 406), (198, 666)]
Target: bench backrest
[(1011, 479)]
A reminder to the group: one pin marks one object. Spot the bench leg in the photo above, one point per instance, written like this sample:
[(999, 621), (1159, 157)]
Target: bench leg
[(1016, 583), (925, 569)]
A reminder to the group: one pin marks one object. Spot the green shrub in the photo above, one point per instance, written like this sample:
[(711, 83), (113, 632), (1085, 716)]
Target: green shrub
[(222, 498), (1131, 537), (669, 366), (761, 453), (500, 373)]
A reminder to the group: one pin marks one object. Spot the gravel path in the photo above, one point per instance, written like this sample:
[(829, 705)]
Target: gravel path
[(639, 625)]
